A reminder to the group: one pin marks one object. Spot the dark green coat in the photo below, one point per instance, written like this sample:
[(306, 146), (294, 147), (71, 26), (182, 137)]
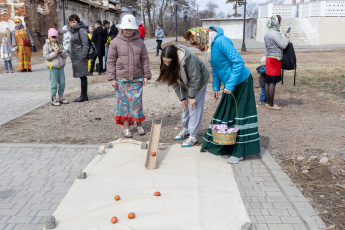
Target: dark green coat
[(196, 72)]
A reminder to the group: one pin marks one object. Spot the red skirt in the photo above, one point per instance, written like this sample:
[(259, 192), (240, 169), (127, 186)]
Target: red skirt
[(273, 70)]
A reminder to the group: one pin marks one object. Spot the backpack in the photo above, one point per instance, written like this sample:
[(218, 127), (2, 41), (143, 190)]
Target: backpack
[(289, 61), (92, 48)]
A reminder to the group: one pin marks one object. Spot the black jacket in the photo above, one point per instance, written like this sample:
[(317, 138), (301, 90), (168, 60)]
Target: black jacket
[(261, 70), (99, 38), (113, 32)]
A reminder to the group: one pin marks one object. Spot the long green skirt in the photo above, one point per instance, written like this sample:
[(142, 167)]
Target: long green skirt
[(248, 139)]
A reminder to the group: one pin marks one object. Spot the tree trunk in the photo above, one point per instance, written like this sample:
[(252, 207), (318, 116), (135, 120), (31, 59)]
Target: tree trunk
[(149, 16)]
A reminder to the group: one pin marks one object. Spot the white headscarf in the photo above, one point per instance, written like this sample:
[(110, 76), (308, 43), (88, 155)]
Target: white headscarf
[(207, 55), (64, 28)]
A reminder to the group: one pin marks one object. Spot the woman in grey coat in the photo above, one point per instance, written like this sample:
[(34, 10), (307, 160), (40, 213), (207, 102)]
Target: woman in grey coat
[(274, 43), (189, 77), (79, 51)]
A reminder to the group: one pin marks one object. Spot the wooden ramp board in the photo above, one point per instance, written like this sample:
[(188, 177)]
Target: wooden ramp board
[(151, 161)]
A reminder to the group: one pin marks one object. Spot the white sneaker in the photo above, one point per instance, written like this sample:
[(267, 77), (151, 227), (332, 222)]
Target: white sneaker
[(234, 160), (182, 135), (54, 102), (189, 142)]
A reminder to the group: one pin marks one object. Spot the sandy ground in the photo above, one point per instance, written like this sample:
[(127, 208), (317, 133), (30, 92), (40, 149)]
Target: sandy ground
[(312, 122)]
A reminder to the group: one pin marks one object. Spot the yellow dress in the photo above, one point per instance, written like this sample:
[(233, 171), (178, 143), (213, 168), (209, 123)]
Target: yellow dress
[(24, 52)]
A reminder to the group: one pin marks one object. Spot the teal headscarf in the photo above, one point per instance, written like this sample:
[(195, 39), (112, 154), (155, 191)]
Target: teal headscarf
[(273, 22)]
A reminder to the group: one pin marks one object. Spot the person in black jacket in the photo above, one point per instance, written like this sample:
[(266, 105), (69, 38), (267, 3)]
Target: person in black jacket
[(112, 32), (99, 38)]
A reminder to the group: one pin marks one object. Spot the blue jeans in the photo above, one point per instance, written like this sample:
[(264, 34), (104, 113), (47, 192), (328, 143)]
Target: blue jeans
[(106, 57), (262, 95), (8, 63)]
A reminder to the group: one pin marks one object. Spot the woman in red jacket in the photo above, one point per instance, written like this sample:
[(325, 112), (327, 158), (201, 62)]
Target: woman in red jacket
[(142, 31)]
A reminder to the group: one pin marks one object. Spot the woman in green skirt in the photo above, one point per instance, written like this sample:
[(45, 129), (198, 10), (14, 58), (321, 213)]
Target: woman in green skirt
[(228, 68)]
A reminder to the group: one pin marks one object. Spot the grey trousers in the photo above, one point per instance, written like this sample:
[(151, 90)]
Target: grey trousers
[(191, 119)]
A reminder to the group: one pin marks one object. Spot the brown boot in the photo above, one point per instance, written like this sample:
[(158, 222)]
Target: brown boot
[(274, 107)]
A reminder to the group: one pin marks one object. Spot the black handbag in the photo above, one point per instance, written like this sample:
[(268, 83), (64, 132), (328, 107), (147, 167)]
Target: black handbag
[(34, 49)]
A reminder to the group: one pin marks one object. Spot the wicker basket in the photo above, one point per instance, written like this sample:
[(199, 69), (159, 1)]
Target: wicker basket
[(225, 138)]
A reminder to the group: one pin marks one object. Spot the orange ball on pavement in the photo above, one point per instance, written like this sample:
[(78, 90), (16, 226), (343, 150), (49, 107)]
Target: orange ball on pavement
[(113, 220), (154, 154), (131, 215), (157, 193), (117, 197)]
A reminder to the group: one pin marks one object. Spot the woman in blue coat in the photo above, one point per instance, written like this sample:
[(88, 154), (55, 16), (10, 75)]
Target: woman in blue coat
[(228, 69)]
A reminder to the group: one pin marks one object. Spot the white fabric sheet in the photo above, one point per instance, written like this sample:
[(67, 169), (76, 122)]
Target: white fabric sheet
[(198, 191)]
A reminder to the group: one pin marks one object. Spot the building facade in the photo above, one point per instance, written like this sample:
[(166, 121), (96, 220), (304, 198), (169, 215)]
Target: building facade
[(40, 15), (312, 23), (233, 27)]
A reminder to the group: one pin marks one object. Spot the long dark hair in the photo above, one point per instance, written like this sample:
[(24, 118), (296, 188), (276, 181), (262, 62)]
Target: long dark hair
[(169, 74)]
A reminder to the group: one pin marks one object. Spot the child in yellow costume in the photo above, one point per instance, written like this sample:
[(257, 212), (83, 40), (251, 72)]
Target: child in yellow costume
[(91, 28)]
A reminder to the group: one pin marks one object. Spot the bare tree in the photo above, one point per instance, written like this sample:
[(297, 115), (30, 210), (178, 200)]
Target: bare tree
[(252, 10), (210, 12), (237, 3), (212, 6), (221, 15)]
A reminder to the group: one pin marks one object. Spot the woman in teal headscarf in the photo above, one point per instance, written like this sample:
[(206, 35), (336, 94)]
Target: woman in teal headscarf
[(228, 69), (274, 43)]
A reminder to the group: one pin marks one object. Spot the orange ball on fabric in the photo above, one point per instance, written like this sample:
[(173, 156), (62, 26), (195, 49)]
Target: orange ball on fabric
[(113, 220), (157, 193), (117, 197), (131, 215), (154, 154)]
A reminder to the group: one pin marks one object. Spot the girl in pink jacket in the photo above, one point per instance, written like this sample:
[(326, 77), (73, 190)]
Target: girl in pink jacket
[(128, 70)]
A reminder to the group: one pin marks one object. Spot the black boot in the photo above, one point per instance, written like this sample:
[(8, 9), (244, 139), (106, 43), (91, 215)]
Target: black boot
[(83, 95)]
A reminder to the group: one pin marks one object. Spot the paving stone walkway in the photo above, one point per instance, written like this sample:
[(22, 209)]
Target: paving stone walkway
[(35, 178), (21, 93), (271, 199)]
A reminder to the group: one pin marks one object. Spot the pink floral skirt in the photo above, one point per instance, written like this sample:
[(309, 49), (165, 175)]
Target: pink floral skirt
[(129, 103)]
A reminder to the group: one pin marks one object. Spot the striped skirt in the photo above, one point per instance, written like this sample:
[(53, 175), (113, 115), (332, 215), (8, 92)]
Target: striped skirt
[(248, 139)]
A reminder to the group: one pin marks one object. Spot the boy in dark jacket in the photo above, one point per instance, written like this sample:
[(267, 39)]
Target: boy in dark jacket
[(261, 70), (112, 32), (99, 38)]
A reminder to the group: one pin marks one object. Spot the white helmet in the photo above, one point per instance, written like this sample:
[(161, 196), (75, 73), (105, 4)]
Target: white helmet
[(128, 22)]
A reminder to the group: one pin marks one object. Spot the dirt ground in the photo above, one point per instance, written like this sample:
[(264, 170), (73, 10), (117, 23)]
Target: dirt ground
[(311, 123)]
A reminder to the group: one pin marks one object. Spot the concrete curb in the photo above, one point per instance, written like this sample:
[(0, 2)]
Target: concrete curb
[(296, 198), (61, 146)]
